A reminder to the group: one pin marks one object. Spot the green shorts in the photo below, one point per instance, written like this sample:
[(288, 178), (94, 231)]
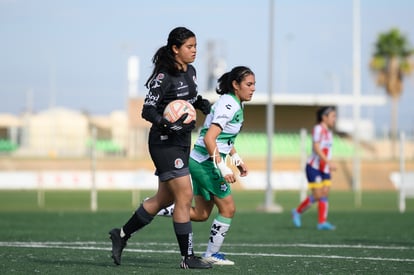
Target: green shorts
[(207, 180)]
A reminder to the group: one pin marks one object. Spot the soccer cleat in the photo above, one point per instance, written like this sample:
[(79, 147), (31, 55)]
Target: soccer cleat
[(217, 259), (118, 244), (167, 211), (296, 218), (326, 226), (194, 262)]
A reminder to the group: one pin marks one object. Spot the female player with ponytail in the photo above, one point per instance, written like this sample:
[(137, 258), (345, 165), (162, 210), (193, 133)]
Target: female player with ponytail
[(210, 173), (318, 169), (169, 144)]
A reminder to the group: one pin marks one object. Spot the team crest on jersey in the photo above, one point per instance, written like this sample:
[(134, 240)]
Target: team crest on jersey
[(178, 163), (156, 82)]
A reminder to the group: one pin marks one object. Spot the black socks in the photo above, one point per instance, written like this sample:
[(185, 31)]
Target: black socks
[(138, 220), (184, 233)]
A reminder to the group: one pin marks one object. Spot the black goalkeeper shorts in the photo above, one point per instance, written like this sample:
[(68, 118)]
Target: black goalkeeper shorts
[(170, 161)]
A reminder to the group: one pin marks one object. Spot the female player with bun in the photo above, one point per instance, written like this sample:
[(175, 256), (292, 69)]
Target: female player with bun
[(318, 169), (169, 143)]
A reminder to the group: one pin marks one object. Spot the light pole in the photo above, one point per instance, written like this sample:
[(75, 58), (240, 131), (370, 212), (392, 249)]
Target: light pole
[(356, 83), (269, 205)]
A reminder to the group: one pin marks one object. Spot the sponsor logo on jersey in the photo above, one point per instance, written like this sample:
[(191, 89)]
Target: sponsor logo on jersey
[(156, 82), (151, 99), (223, 116), (178, 163), (228, 106), (182, 94), (182, 86)]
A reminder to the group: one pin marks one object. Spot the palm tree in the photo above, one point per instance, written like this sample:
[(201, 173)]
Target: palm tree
[(391, 62)]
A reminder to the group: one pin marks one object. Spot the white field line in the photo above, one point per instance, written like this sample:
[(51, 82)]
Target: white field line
[(92, 246), (357, 246)]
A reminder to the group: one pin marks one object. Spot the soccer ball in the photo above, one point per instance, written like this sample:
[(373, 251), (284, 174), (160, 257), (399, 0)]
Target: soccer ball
[(175, 109)]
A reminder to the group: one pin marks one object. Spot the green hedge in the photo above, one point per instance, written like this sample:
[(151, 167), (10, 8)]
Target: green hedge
[(7, 146)]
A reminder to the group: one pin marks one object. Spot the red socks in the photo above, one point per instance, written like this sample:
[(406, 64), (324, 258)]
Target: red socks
[(305, 204), (323, 210)]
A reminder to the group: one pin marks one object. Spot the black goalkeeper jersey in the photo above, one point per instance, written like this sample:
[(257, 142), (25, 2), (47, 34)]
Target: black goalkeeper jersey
[(165, 88)]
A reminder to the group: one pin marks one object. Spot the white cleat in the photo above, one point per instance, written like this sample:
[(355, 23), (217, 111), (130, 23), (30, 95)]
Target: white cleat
[(217, 259)]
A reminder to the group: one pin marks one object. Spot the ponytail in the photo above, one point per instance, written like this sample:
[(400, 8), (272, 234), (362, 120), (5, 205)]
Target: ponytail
[(225, 82), (164, 58)]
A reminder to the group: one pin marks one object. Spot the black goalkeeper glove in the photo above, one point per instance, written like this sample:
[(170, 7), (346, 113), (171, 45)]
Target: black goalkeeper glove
[(202, 104), (178, 127)]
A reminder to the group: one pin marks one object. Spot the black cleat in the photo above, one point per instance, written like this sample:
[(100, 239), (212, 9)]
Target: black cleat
[(194, 262), (118, 244)]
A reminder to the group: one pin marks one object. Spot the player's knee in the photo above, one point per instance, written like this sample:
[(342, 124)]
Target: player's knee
[(187, 194), (228, 212), (204, 216), (199, 216)]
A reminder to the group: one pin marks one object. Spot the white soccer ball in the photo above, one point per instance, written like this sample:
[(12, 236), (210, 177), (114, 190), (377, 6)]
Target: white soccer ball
[(175, 109)]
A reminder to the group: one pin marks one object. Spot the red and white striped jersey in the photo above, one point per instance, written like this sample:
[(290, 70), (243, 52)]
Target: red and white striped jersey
[(324, 137)]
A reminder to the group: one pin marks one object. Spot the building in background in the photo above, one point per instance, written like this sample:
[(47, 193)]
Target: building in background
[(54, 132)]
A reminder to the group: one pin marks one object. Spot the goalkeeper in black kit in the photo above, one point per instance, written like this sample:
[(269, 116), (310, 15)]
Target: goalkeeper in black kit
[(169, 143)]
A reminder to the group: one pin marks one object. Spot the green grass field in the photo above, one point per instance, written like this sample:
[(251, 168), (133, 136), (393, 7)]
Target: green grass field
[(64, 237)]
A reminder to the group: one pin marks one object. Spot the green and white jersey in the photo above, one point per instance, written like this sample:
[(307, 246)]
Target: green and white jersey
[(227, 113)]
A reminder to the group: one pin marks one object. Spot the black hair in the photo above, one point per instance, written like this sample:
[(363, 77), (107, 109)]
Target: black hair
[(164, 57), (322, 111), (224, 83)]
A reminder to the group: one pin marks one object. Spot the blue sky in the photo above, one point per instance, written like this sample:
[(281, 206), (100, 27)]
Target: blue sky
[(73, 53)]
